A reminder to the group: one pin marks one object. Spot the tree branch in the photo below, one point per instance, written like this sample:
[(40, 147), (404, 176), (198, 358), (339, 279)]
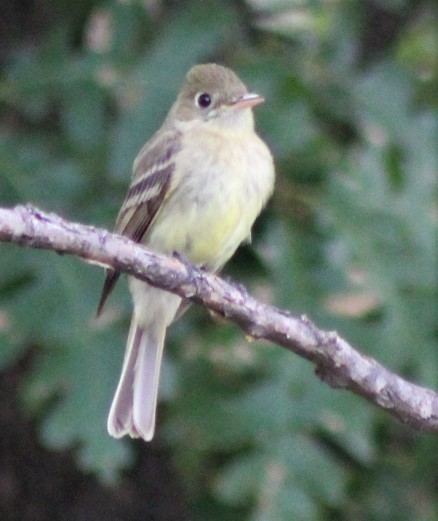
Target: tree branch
[(337, 363)]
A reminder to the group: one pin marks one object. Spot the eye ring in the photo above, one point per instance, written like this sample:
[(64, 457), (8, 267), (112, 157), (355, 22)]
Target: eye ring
[(203, 100)]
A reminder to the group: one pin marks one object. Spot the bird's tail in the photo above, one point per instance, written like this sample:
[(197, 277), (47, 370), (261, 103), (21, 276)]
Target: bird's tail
[(133, 408)]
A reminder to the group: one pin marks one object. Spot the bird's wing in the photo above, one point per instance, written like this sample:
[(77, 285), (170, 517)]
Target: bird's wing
[(150, 185)]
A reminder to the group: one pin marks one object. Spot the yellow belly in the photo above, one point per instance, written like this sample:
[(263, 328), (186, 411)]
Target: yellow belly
[(214, 200)]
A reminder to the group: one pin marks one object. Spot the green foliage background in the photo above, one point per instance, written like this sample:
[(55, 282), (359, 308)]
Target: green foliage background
[(349, 239)]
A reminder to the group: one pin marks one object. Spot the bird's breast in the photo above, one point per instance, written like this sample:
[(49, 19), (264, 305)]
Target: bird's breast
[(220, 185)]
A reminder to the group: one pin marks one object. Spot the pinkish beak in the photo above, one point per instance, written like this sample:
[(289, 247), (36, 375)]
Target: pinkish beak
[(247, 100)]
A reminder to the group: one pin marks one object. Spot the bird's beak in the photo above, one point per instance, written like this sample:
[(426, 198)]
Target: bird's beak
[(247, 101)]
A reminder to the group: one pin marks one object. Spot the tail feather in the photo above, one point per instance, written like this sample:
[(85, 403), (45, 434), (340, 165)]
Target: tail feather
[(133, 408), (146, 382)]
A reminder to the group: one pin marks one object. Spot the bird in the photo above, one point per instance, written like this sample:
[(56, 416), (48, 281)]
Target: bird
[(197, 187)]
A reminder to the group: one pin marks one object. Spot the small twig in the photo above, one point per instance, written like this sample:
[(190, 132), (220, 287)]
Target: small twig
[(336, 361)]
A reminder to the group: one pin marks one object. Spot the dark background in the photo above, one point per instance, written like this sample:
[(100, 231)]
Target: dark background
[(245, 430)]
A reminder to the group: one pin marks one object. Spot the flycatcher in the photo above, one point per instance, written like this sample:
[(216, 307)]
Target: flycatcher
[(198, 185)]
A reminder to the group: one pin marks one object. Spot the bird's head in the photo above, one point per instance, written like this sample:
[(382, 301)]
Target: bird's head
[(215, 94)]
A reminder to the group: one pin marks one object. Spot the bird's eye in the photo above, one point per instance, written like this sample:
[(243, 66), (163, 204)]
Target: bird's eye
[(203, 100)]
